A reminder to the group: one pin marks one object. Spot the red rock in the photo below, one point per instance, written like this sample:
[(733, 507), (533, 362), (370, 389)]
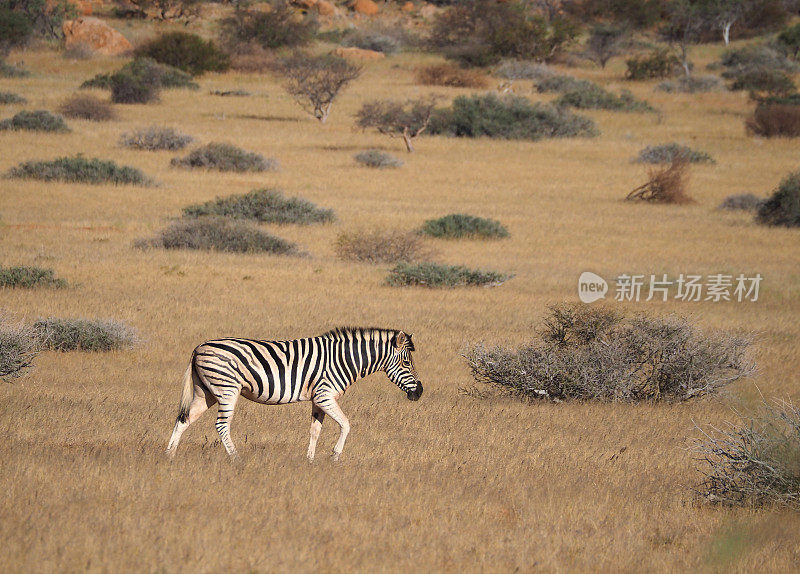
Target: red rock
[(95, 34), (367, 7), (326, 8), (408, 7)]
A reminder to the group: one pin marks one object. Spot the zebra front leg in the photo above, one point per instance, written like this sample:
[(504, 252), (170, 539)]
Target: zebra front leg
[(332, 409), (223, 424), (317, 416)]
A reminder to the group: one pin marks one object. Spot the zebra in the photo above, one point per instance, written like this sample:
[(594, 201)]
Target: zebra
[(317, 369)]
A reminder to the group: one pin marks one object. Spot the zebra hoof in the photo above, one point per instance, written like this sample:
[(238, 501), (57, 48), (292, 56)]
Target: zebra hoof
[(335, 457)]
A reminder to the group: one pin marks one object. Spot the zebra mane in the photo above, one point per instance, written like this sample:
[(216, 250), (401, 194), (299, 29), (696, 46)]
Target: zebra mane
[(338, 332)]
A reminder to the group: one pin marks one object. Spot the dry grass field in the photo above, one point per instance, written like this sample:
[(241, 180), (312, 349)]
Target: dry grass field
[(450, 483)]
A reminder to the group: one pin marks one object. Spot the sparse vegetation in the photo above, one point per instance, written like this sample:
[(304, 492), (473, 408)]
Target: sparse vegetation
[(459, 225), (742, 202), (396, 119), (755, 462), (380, 246), (226, 157), (263, 205), (377, 159), (219, 234), (595, 353), (64, 335), (35, 121), (13, 71), (282, 26), (592, 97), (377, 41), (667, 153), (315, 81), (154, 138), (18, 347), (145, 71), (660, 63), (667, 184), (760, 70), (557, 83), (783, 206), (11, 98), (87, 107), (26, 277), (438, 275), (185, 51), (450, 76), (510, 117), (78, 169), (522, 70), (779, 117), (693, 85)]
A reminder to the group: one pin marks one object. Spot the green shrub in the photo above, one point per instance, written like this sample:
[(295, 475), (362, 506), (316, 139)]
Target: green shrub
[(436, 275), (783, 206), (458, 225), (560, 84), (594, 353), (510, 117), (156, 138), (789, 42), (759, 69), (18, 347), (774, 118), (380, 246), (282, 26), (742, 202), (660, 63), (593, 97), (35, 121), (11, 98), (139, 81), (226, 157), (185, 51), (9, 71), (29, 278), (79, 169), (15, 29), (377, 41), (667, 153), (263, 205), (692, 85), (83, 334), (773, 82), (86, 107), (220, 234), (378, 159), (128, 88)]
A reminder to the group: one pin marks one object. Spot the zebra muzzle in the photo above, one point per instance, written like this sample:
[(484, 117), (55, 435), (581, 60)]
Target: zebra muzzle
[(416, 393)]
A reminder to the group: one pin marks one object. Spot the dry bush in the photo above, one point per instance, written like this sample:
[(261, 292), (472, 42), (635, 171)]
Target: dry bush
[(83, 334), (438, 275), (154, 138), (11, 98), (29, 277), (775, 120), (666, 153), (226, 157), (406, 120), (666, 184), (756, 462), (18, 347), (315, 81), (377, 159), (87, 107), (583, 352), (380, 246), (80, 51), (522, 70), (255, 60), (450, 76), (263, 205), (742, 202)]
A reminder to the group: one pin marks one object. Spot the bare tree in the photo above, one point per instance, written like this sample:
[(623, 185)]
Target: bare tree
[(397, 119), (315, 81)]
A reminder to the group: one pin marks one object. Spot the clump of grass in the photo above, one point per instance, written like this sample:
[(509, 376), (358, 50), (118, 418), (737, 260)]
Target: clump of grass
[(589, 96), (594, 353), (522, 70), (380, 246), (666, 184), (219, 234), (753, 463), (11, 98), (450, 76), (79, 169), (509, 117), (667, 153), (377, 159), (458, 225), (742, 202), (154, 138), (553, 83), (263, 205), (227, 93), (87, 107), (29, 277), (783, 206), (35, 121), (226, 157), (438, 275), (693, 85), (84, 334), (18, 347), (10, 71)]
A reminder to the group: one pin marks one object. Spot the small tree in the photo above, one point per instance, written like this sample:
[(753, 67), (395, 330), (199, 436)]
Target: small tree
[(396, 119), (605, 41), (15, 29), (686, 20), (315, 81), (723, 14), (789, 41)]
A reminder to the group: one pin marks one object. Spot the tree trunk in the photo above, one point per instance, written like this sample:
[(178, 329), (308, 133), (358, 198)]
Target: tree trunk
[(407, 139), (726, 32)]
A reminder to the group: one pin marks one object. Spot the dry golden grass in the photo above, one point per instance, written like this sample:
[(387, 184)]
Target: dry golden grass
[(450, 483)]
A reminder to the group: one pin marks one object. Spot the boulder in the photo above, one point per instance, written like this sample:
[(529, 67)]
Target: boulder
[(408, 7), (97, 35), (367, 7), (358, 54)]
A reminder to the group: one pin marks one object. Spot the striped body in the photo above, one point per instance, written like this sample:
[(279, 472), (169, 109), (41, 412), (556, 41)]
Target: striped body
[(318, 369)]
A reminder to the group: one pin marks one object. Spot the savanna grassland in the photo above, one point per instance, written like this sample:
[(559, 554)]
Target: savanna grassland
[(449, 483)]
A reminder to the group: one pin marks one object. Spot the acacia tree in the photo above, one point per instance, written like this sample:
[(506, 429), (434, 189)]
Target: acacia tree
[(405, 120), (604, 43), (315, 81), (686, 20), (723, 14)]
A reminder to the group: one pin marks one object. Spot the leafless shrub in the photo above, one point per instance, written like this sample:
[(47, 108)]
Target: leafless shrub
[(666, 184), (87, 107), (450, 76), (18, 347), (154, 138), (397, 119), (315, 81), (594, 353), (754, 463), (380, 246), (84, 334)]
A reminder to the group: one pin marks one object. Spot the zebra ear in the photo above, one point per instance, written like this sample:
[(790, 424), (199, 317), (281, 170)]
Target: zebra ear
[(398, 340)]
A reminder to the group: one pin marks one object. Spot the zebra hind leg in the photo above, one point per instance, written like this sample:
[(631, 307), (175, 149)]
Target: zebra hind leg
[(223, 424), (201, 402), (317, 416)]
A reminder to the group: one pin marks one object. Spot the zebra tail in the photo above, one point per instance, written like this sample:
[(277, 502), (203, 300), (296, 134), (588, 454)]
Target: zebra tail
[(186, 394)]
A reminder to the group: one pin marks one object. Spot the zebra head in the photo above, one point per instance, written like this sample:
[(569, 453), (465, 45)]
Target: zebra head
[(400, 367)]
